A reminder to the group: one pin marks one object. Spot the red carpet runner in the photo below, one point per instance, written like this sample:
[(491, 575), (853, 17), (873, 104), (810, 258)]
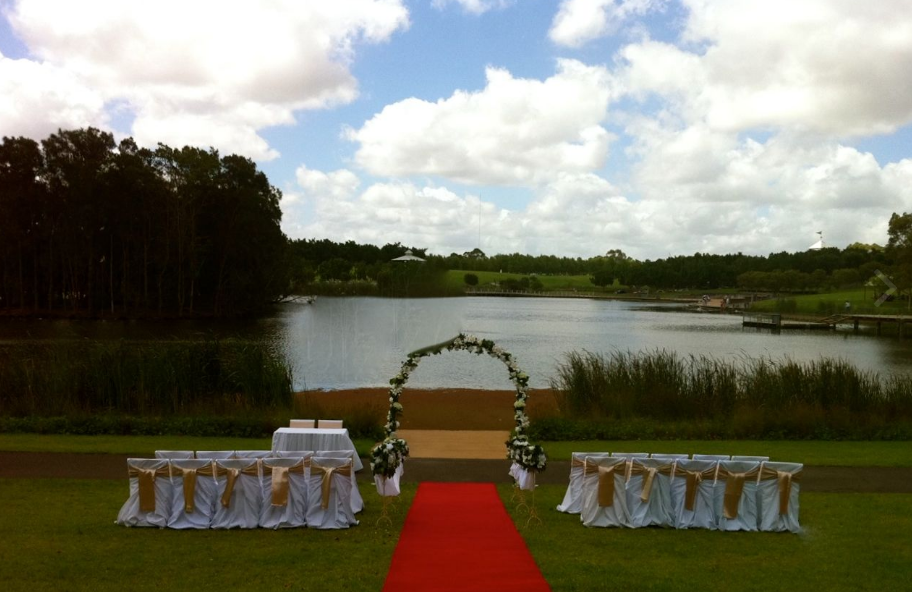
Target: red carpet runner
[(458, 536)]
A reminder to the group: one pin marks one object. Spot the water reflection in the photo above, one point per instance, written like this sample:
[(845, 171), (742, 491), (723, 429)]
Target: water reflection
[(353, 342)]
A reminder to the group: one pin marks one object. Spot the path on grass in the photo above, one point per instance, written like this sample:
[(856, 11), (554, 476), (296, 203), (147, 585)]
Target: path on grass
[(458, 536)]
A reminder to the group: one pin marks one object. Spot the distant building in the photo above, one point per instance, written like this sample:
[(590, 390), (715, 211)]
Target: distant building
[(819, 244), (409, 257)]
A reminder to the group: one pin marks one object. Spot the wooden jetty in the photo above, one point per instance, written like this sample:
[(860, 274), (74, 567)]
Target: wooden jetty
[(868, 319), (762, 320)]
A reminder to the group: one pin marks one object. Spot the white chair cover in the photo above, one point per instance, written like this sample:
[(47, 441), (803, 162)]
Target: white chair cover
[(692, 494), (253, 453), (756, 458), (357, 502), (198, 477), (149, 503), (604, 497), (629, 455), (573, 498), (302, 423), (649, 493), (284, 483), (169, 454), (669, 456), (777, 496), (240, 496), (389, 486), (711, 457), (330, 424), (735, 495), (215, 454), (332, 510)]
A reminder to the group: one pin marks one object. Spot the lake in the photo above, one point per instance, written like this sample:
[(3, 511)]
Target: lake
[(356, 342)]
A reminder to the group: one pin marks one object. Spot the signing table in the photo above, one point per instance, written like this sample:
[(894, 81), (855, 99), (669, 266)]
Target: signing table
[(314, 439)]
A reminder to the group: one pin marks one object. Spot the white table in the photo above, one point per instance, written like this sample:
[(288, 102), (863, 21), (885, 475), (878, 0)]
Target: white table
[(314, 439)]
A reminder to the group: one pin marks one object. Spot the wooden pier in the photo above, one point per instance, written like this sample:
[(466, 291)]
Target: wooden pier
[(868, 319), (762, 320)]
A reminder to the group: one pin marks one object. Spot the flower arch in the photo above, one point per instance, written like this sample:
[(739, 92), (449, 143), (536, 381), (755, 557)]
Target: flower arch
[(387, 457)]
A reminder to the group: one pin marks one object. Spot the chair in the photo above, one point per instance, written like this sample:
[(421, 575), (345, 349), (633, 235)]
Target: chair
[(711, 457), (284, 484), (149, 502), (649, 492), (357, 502), (604, 496), (253, 453), (330, 424), (735, 499), (629, 456), (302, 423), (329, 493), (670, 456), (777, 496), (292, 454), (174, 454), (573, 498), (692, 493), (193, 494), (755, 458), (215, 454), (240, 497)]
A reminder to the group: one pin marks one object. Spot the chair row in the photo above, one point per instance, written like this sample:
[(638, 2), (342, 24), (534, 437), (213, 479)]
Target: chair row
[(324, 424), (226, 454), (683, 493), (302, 489), (684, 456)]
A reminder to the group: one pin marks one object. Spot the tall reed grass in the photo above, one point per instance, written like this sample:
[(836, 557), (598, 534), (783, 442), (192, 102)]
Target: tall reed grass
[(751, 397), (216, 377)]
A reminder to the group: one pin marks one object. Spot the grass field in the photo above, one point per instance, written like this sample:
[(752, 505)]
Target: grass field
[(456, 278), (851, 542), (862, 301), (60, 534), (814, 453)]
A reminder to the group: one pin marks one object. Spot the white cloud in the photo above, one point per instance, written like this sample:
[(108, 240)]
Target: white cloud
[(36, 99), (834, 67), (473, 6), (579, 21), (514, 131), (212, 71)]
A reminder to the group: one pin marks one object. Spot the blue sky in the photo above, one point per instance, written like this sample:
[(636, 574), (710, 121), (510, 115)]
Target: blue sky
[(566, 127)]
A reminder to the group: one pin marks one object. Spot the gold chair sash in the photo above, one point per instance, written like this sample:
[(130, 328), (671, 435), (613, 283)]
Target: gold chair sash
[(784, 480), (327, 473), (734, 486), (146, 479), (189, 477), (280, 483), (232, 477), (577, 463), (692, 480), (649, 474)]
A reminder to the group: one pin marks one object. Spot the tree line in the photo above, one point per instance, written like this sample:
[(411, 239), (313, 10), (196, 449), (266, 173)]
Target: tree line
[(93, 226)]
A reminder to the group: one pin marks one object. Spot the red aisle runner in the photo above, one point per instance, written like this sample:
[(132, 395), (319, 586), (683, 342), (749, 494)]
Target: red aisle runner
[(458, 536)]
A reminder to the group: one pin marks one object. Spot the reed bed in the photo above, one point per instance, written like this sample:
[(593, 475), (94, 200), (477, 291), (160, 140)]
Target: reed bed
[(744, 398), (211, 376)]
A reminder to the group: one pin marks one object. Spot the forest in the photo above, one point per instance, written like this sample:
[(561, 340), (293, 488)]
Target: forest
[(93, 227), (90, 227)]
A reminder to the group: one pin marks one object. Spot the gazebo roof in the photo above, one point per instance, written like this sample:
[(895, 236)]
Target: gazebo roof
[(409, 257)]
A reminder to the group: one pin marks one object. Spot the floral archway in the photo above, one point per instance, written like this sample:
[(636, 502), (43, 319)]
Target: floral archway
[(387, 456)]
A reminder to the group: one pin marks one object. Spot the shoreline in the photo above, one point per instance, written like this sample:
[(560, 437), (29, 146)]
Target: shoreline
[(441, 409)]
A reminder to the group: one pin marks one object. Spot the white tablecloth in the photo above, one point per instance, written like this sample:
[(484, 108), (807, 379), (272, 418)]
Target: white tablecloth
[(314, 439)]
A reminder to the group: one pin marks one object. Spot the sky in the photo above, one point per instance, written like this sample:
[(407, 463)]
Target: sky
[(565, 127)]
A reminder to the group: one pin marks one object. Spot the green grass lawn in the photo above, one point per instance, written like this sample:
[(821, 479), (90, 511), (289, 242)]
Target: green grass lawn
[(58, 534), (851, 542), (809, 452), (862, 302), (456, 278)]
